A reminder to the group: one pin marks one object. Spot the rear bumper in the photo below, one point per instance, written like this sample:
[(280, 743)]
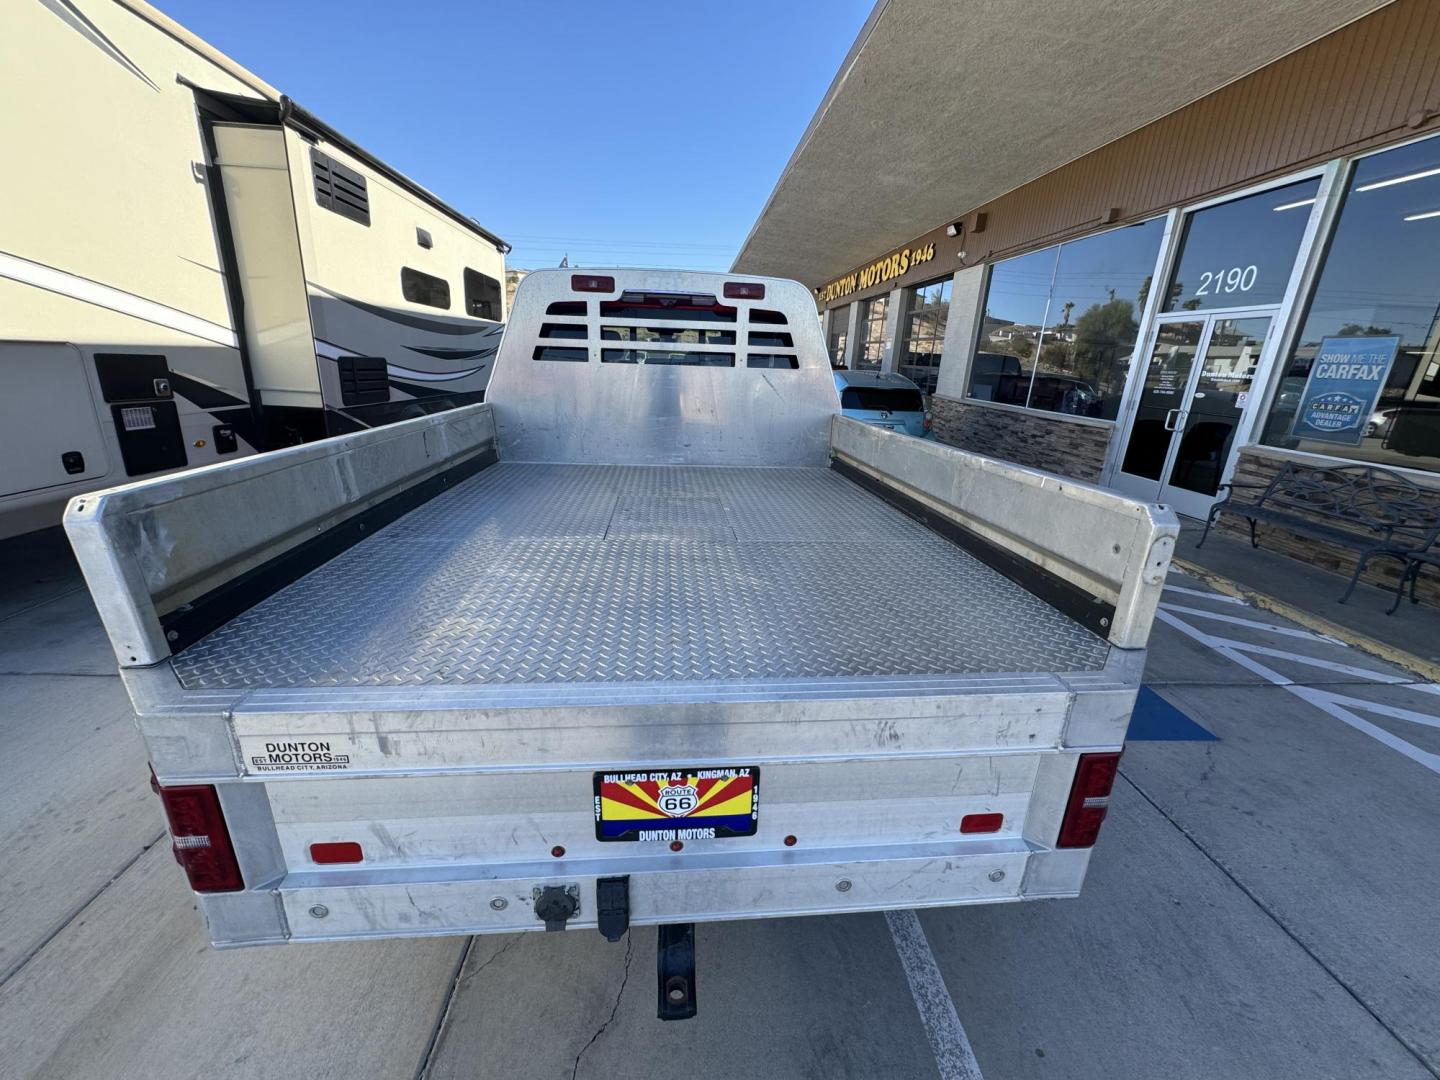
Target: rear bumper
[(663, 889)]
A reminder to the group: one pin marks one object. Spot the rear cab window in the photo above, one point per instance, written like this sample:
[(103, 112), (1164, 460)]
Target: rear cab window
[(882, 399)]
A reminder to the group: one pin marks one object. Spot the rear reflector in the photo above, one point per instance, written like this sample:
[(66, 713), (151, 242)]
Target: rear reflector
[(592, 283), (978, 823), (1089, 800), (201, 840), (346, 851), (744, 290)]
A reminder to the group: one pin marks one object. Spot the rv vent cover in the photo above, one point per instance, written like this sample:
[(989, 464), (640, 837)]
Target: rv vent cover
[(364, 380), (340, 189)]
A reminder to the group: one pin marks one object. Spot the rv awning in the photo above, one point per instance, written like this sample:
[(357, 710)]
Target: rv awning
[(942, 106)]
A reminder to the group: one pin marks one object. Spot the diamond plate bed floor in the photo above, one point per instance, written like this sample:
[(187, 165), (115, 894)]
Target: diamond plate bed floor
[(531, 573)]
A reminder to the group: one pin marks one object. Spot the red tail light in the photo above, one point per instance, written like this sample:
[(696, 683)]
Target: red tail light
[(341, 852), (1089, 800), (201, 840), (744, 290), (592, 283)]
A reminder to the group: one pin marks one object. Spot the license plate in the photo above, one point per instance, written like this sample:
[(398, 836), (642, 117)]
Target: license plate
[(677, 804)]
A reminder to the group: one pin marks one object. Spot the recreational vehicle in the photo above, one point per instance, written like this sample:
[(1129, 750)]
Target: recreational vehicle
[(194, 268)]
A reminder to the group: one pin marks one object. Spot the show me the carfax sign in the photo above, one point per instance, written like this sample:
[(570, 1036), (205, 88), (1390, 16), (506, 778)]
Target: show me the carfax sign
[(1344, 385)]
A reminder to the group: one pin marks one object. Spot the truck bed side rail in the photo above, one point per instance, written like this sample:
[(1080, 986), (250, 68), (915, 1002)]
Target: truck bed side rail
[(168, 560), (1097, 555)]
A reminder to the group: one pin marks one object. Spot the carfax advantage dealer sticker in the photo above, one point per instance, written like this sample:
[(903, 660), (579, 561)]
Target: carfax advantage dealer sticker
[(292, 755)]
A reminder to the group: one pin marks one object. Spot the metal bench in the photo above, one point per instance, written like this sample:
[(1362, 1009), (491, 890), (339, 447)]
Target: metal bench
[(1372, 511), (1425, 554)]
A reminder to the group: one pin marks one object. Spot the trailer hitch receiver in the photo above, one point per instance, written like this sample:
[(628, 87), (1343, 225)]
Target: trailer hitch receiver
[(675, 968)]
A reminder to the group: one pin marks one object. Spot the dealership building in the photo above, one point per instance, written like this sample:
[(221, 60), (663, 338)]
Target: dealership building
[(1157, 246)]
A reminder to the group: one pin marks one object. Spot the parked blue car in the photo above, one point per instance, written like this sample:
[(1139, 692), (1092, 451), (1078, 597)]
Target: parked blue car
[(884, 400)]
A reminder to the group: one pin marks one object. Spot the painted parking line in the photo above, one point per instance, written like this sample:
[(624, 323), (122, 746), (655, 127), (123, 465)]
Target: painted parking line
[(1219, 598), (1342, 707), (1254, 624), (1313, 661), (948, 1041)]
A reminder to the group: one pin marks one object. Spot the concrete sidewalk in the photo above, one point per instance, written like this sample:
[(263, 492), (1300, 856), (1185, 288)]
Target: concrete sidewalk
[(1410, 637)]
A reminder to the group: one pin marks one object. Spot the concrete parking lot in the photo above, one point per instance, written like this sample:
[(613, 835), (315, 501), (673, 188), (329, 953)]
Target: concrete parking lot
[(1264, 902)]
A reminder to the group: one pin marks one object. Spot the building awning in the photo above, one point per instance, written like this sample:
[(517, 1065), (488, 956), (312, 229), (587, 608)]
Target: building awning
[(942, 106)]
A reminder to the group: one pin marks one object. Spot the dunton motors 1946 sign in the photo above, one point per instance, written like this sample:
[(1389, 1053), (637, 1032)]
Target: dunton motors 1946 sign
[(886, 269)]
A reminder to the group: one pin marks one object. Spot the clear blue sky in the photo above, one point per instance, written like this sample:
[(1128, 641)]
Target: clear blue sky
[(636, 133)]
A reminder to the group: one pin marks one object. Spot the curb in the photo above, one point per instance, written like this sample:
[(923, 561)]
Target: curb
[(1426, 669)]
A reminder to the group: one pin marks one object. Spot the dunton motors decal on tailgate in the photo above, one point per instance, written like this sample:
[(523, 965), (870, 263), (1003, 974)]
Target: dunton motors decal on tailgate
[(305, 755), (677, 804)]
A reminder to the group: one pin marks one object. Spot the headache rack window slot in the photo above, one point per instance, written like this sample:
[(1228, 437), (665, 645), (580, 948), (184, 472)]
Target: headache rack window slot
[(340, 189), (669, 335), (684, 307), (568, 307), (776, 339), (562, 330), (772, 360), (561, 353), (672, 358), (765, 315)]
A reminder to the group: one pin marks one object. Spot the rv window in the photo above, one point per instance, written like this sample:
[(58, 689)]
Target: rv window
[(671, 357), (424, 288), (340, 189), (482, 295)]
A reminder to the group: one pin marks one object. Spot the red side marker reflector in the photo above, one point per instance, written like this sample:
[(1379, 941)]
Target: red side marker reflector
[(592, 283), (981, 823), (344, 852), (1089, 800), (201, 841), (744, 290)]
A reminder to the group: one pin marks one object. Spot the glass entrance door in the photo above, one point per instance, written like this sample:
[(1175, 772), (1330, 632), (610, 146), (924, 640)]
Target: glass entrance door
[(1196, 389)]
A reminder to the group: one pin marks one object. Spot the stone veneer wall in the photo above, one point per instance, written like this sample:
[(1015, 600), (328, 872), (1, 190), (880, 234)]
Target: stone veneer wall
[(1028, 438), (1260, 468)]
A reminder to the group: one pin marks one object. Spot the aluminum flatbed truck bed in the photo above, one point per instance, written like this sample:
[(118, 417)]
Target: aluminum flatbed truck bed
[(441, 677)]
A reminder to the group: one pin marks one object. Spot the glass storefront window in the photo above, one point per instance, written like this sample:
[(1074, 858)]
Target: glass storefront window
[(1241, 253), (1373, 322), (1015, 308), (1061, 323), (927, 307), (839, 333), (871, 352)]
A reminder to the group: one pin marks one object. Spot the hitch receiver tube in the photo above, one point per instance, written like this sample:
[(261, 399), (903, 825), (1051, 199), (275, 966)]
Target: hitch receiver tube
[(675, 968)]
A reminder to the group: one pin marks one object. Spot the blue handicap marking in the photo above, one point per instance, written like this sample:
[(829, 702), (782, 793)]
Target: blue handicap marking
[(1156, 720)]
